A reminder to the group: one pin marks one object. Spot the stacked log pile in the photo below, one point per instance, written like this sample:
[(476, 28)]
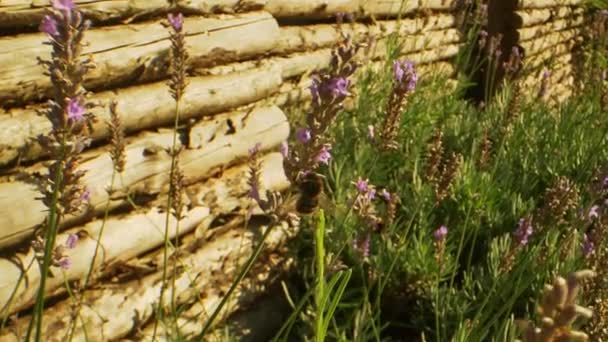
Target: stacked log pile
[(546, 33), (250, 61)]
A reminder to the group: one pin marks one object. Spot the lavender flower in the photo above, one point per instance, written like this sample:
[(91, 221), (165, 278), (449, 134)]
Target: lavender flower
[(176, 21), (365, 248), (303, 135), (63, 5), (338, 87), (386, 195), (363, 245), (594, 212), (405, 75), (544, 83), (324, 156), (48, 25), (85, 196), (284, 149), (255, 149), (314, 91), (440, 234), (588, 246), (523, 232), (71, 241), (65, 263), (75, 110), (362, 185)]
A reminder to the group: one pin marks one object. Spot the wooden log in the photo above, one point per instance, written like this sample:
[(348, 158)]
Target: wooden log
[(312, 9), (147, 106), (215, 144), (552, 40), (28, 13), (533, 81), (534, 32), (141, 107), (547, 3), (258, 322), (204, 274), (559, 55), (134, 53), (312, 37), (206, 201), (533, 17), (189, 322)]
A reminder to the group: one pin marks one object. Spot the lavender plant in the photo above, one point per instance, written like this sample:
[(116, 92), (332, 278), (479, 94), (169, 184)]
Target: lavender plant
[(62, 191)]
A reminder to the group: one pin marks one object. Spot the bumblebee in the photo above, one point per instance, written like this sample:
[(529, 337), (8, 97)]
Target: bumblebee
[(311, 187)]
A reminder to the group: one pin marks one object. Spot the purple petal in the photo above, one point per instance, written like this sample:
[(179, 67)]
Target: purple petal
[(48, 25), (71, 241), (176, 21)]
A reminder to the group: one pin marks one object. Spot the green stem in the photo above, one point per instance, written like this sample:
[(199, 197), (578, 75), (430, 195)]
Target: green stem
[(49, 243), (167, 222), (101, 230), (320, 258)]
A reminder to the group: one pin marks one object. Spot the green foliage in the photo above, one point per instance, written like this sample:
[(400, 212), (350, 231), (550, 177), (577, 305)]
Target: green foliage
[(484, 279)]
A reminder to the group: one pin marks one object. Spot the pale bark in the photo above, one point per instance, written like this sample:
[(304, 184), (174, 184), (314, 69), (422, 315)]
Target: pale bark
[(141, 107), (547, 3), (551, 41), (146, 227), (258, 322), (28, 13), (147, 106), (534, 32), (214, 144), (134, 53), (311, 37), (205, 269), (551, 58), (191, 322), (532, 17)]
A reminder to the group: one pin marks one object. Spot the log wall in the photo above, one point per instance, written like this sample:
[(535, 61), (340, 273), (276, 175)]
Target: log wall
[(250, 64), (547, 33)]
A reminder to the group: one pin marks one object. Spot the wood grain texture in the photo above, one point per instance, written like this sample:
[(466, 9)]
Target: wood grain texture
[(216, 143), (134, 53), (206, 201)]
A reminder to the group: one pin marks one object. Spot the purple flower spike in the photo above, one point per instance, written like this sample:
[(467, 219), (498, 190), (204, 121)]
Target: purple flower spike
[(523, 232), (65, 263), (48, 25), (594, 212), (63, 5), (324, 156), (365, 247), (284, 149), (255, 149), (303, 135), (75, 110), (440, 234), (85, 196), (405, 74), (338, 87), (176, 21), (254, 193), (386, 195), (588, 246), (314, 91), (71, 241), (362, 185)]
